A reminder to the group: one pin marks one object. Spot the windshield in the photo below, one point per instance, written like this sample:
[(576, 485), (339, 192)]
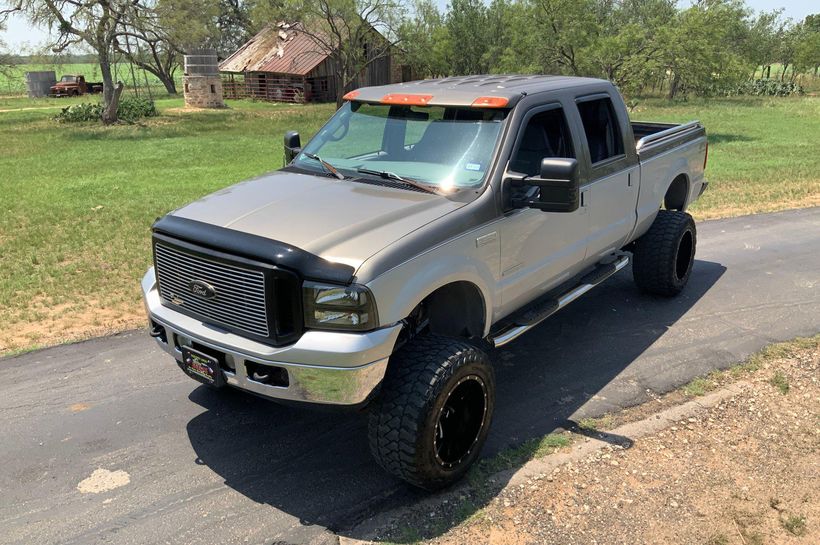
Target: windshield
[(447, 147), (69, 79)]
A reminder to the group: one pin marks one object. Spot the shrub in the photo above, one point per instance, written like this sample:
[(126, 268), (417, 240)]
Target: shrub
[(767, 88), (129, 110), (80, 112), (134, 108)]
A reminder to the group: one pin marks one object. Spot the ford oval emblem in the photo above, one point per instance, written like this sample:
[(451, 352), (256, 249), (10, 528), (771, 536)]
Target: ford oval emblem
[(202, 289)]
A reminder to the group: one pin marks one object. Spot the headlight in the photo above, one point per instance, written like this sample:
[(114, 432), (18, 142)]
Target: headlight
[(339, 307)]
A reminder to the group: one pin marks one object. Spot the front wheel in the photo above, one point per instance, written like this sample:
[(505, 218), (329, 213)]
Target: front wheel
[(434, 411), (663, 256)]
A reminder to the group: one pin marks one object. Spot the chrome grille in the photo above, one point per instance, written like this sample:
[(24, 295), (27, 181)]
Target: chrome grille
[(240, 300)]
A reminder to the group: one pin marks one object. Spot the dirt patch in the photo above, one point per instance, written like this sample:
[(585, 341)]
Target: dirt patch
[(746, 471), (68, 323), (759, 206), (103, 480)]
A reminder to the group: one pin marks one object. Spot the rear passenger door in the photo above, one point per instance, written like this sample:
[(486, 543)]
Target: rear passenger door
[(612, 176), (539, 249)]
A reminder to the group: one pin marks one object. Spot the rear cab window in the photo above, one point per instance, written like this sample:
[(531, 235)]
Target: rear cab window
[(601, 129)]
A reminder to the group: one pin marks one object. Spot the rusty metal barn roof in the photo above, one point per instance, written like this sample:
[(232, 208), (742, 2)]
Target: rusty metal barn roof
[(281, 48)]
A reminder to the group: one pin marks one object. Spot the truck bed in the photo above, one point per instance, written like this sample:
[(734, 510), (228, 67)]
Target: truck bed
[(652, 138)]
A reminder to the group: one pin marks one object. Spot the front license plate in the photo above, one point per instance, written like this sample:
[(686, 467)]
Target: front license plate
[(202, 367)]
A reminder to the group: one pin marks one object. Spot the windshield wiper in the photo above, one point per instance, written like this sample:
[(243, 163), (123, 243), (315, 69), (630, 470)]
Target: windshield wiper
[(327, 166), (393, 176)]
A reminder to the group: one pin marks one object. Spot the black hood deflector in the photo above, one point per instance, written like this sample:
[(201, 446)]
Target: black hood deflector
[(250, 246)]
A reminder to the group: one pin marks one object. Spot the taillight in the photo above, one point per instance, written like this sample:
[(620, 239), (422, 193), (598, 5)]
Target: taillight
[(706, 155)]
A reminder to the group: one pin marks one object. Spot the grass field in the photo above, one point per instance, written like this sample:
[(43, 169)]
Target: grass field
[(14, 81), (77, 201)]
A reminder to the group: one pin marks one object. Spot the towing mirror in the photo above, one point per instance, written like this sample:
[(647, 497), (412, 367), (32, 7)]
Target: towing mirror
[(293, 146), (558, 182)]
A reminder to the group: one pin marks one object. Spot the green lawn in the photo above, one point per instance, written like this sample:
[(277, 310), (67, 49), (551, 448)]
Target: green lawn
[(77, 201), (13, 82), (764, 153)]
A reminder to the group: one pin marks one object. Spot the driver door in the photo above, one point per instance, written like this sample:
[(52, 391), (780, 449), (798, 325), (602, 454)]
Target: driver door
[(539, 250)]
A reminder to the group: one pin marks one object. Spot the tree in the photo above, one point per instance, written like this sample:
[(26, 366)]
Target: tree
[(94, 23), (6, 62), (807, 53), (565, 28), (144, 42), (353, 34), (468, 35), (761, 45), (425, 42), (705, 47), (234, 25)]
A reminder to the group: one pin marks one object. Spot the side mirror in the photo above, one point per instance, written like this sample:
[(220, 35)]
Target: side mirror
[(293, 146), (559, 185)]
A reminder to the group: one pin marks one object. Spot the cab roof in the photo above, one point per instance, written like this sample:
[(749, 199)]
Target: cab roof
[(466, 90)]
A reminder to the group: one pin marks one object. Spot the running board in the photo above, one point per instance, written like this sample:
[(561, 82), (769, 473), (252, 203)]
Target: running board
[(533, 316)]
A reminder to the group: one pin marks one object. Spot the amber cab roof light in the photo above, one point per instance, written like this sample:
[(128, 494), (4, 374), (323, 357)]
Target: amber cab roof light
[(406, 99), (490, 102)]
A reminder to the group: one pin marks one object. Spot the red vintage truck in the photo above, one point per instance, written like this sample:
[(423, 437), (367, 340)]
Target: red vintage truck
[(74, 85)]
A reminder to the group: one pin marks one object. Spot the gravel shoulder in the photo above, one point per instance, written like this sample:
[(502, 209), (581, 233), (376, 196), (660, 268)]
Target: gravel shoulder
[(745, 470)]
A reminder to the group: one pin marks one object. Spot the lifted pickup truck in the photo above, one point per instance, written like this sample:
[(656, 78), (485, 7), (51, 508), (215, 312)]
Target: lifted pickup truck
[(425, 224), (74, 85)]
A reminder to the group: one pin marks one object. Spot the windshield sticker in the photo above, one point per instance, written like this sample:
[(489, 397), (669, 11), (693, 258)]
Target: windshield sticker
[(473, 166)]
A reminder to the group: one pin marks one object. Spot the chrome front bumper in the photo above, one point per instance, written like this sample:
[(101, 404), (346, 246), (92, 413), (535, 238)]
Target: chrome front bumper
[(322, 366)]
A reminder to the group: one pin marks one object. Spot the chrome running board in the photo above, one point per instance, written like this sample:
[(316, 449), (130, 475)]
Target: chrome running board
[(532, 316)]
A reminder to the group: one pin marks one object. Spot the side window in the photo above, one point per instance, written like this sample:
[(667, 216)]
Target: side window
[(601, 128), (546, 135)]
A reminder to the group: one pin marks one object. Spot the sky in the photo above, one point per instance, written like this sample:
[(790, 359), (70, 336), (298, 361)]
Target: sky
[(19, 36)]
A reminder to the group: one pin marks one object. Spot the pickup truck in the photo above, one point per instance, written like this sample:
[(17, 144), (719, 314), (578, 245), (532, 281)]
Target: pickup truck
[(425, 224), (74, 85)]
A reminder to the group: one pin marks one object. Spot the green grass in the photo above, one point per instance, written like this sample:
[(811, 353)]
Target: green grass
[(780, 382), (13, 81), (77, 201), (702, 385), (795, 525), (516, 456), (764, 153)]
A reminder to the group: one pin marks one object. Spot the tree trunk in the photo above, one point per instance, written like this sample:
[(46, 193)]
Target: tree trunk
[(673, 86), (109, 115), (108, 80), (769, 71), (169, 83), (340, 83)]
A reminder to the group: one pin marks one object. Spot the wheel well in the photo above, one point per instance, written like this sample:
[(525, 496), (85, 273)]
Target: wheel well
[(455, 310), (675, 198)]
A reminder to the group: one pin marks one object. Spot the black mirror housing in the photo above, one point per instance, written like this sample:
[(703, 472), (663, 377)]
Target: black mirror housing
[(293, 145), (558, 183)]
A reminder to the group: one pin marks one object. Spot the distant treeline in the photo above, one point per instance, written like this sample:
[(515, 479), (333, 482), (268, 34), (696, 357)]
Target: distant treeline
[(67, 58), (699, 47), (705, 48)]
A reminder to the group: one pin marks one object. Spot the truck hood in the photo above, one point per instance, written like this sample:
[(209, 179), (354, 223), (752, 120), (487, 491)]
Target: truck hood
[(340, 220)]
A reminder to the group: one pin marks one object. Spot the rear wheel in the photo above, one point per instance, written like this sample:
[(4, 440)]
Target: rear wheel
[(664, 255), (434, 411)]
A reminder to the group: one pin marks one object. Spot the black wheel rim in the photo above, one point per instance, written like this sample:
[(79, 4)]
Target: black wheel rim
[(684, 257), (460, 421)]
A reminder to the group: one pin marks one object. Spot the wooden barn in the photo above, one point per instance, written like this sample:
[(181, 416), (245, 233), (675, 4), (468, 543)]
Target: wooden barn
[(283, 64)]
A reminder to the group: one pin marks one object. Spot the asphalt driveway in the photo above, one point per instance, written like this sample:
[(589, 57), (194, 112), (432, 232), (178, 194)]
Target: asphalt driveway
[(106, 441)]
